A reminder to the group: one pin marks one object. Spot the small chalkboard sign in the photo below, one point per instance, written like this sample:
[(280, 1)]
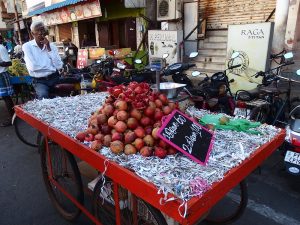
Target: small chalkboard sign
[(189, 137)]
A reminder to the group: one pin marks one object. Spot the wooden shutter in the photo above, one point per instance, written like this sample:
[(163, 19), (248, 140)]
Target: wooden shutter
[(65, 31), (221, 13)]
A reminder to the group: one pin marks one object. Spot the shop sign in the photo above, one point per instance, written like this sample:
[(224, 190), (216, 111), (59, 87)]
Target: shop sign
[(72, 13), (96, 53), (187, 136), (253, 43), (82, 58)]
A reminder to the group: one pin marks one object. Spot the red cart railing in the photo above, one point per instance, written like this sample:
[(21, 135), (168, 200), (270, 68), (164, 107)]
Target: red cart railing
[(197, 206)]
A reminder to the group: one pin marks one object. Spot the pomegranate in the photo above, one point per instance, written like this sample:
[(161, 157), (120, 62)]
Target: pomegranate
[(89, 137), (117, 136), (113, 131), (129, 137), (162, 144), (96, 145), (108, 110), (93, 129), (149, 140), (160, 152), (121, 105), (149, 111), (172, 105), (99, 137), (148, 130), (132, 123), (129, 149), (146, 151), (116, 147), (120, 126), (138, 143), (171, 151), (167, 110), (163, 99), (138, 90), (101, 119), (122, 115), (135, 113), (155, 133), (139, 132), (157, 124), (115, 113), (158, 115), (105, 129), (158, 103), (112, 121), (145, 121), (152, 105), (80, 136), (109, 99), (107, 139)]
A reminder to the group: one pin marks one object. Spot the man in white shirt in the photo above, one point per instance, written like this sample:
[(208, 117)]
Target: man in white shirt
[(42, 60), (6, 90)]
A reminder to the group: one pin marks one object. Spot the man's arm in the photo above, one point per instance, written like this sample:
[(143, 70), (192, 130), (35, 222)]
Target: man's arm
[(56, 60)]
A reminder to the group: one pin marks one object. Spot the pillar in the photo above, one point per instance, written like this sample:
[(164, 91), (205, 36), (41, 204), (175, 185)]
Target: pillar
[(281, 16), (292, 35)]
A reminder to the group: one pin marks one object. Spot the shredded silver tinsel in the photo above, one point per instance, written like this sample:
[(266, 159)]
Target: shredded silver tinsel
[(175, 174)]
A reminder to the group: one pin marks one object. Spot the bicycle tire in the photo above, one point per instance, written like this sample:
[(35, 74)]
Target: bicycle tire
[(62, 171), (259, 114), (242, 204), (26, 133), (104, 211)]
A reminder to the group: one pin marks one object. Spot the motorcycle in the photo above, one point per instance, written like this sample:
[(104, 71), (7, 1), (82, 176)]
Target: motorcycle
[(292, 142), (212, 93), (249, 102)]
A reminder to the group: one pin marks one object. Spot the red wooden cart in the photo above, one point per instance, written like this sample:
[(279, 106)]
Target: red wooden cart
[(197, 206)]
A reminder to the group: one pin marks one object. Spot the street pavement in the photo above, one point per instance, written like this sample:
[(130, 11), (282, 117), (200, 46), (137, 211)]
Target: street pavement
[(274, 196)]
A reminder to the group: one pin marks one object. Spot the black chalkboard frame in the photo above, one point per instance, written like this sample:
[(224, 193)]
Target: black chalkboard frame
[(209, 137)]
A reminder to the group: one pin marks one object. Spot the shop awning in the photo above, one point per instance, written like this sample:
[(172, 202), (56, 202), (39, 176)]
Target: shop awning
[(54, 6)]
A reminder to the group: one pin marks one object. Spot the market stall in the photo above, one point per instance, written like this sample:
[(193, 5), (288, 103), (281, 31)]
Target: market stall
[(176, 185)]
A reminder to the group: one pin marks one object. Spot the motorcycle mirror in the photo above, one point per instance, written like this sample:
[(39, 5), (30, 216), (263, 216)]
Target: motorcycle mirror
[(195, 73), (193, 54), (298, 72), (138, 61), (288, 55), (121, 66), (235, 55), (165, 55)]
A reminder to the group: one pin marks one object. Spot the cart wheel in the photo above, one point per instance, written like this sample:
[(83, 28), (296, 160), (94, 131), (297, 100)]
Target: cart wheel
[(64, 171), (26, 133), (104, 208), (231, 207)]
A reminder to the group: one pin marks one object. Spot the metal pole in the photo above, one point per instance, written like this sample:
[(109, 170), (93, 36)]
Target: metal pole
[(18, 23), (158, 80)]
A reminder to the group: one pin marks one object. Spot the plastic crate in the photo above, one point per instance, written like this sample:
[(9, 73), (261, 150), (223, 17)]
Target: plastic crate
[(20, 80)]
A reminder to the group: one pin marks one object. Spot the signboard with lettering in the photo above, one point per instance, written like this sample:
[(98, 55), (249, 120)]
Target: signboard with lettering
[(96, 53), (253, 43), (165, 41), (187, 136), (82, 58)]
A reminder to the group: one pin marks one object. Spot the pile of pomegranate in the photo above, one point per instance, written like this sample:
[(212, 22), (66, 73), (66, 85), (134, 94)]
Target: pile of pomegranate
[(129, 120)]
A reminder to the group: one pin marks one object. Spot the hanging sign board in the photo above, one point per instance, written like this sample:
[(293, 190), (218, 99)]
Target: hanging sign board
[(82, 58), (187, 136)]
